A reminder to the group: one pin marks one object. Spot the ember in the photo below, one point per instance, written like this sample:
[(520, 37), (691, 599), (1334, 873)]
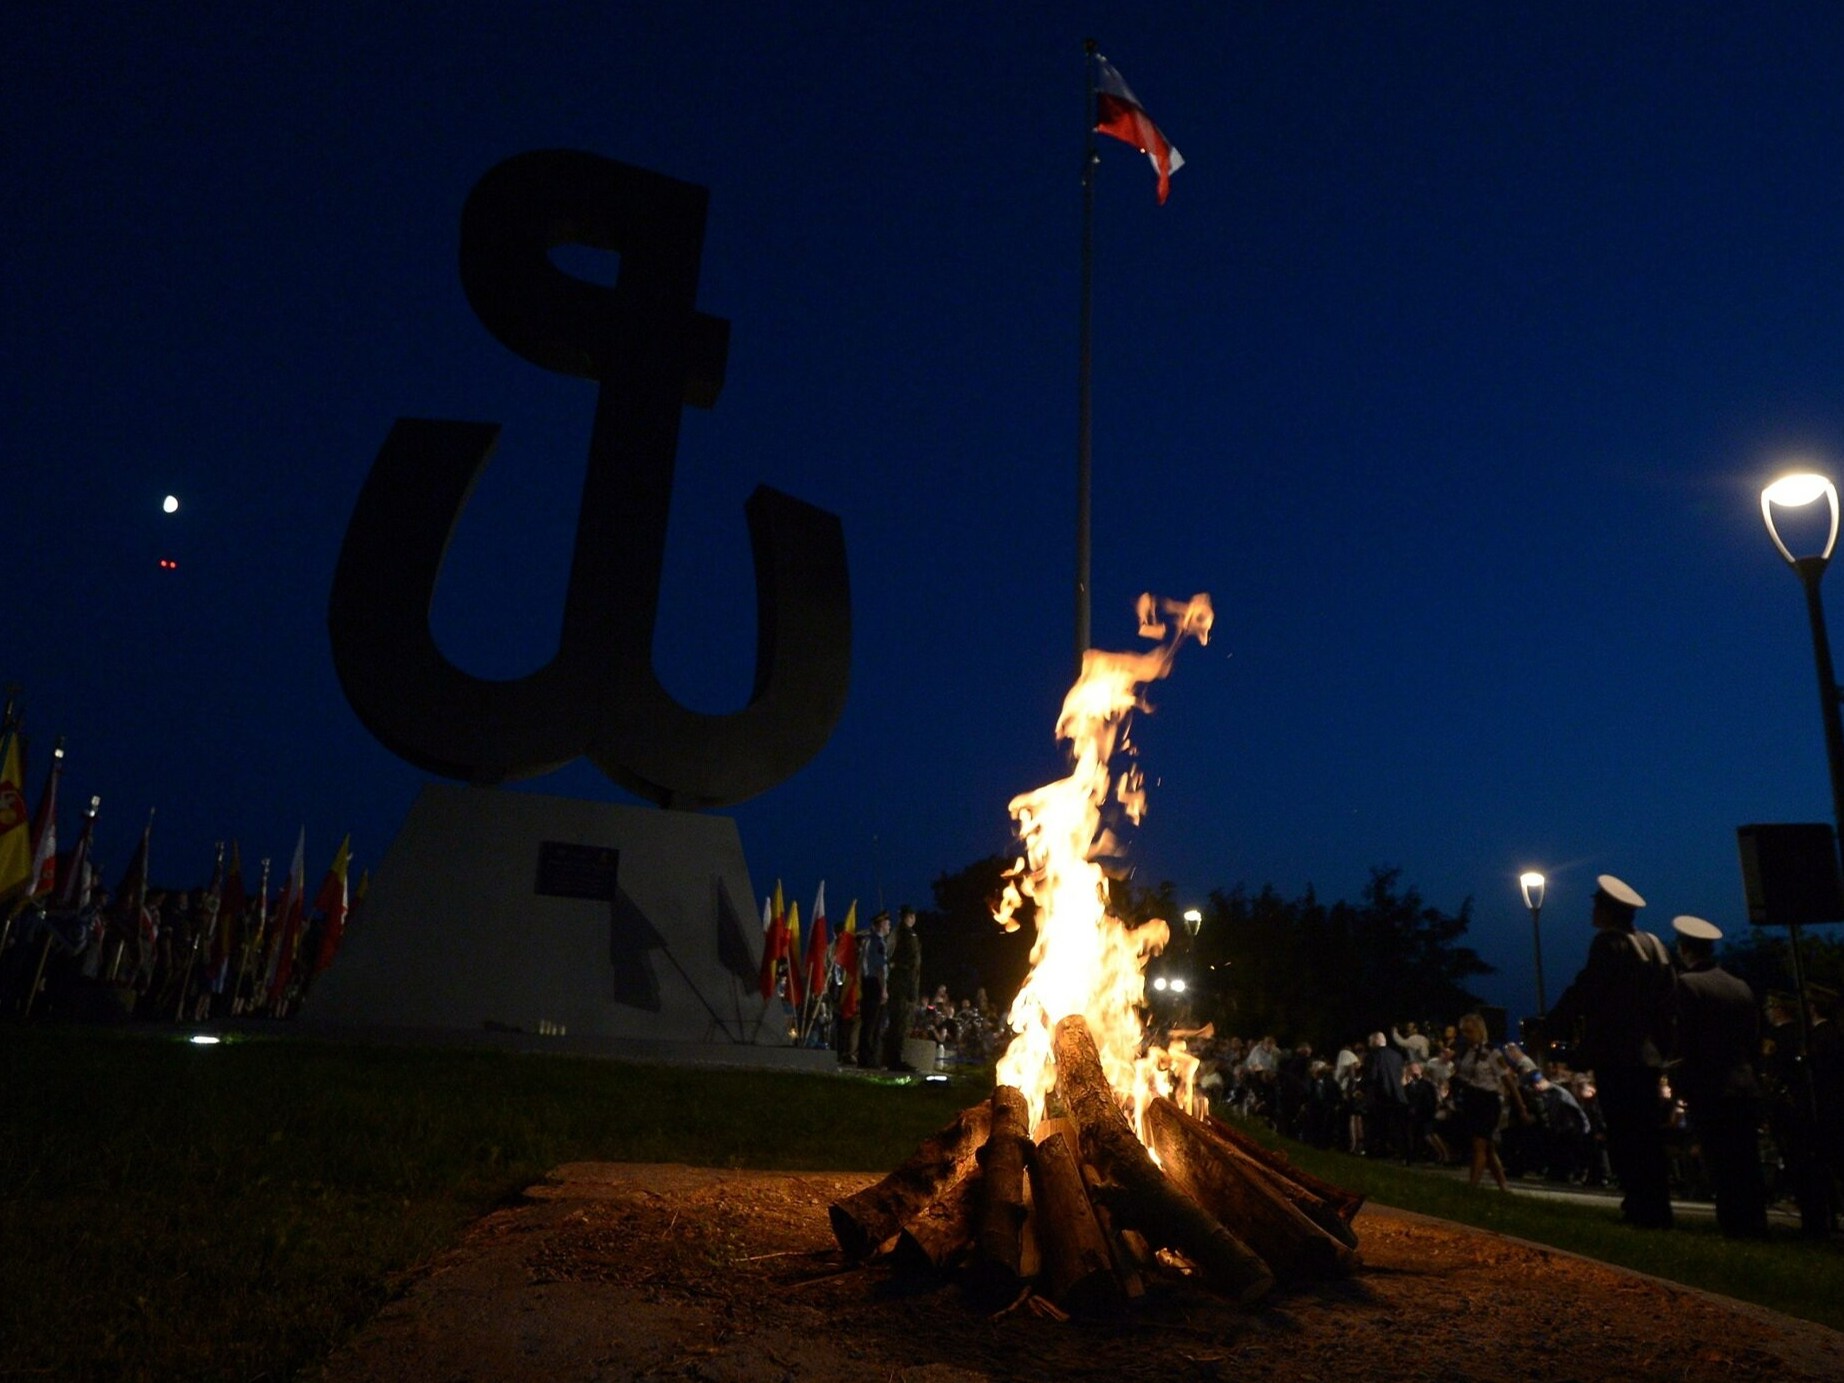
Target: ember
[(1125, 1175)]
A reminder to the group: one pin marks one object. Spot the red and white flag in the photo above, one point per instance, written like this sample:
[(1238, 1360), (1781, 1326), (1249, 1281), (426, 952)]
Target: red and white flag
[(1118, 112), (819, 947), (45, 830), (331, 901), (289, 915)]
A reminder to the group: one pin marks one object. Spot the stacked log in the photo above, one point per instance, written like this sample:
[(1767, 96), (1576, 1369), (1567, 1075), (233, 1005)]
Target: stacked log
[(1075, 1210)]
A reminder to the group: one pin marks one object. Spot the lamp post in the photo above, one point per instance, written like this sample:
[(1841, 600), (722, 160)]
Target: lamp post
[(1793, 492), (1533, 885)]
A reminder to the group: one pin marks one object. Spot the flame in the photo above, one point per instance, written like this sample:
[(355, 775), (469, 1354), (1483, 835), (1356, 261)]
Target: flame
[(1086, 960)]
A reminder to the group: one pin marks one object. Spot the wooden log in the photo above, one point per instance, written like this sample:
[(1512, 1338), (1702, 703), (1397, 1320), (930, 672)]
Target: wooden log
[(866, 1221), (1234, 1190), (1343, 1203), (1078, 1269), (1135, 1192), (994, 1277), (1130, 1252), (1330, 1207), (942, 1233)]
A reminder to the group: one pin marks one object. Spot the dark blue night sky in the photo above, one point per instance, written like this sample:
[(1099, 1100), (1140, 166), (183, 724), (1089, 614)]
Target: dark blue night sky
[(1452, 370)]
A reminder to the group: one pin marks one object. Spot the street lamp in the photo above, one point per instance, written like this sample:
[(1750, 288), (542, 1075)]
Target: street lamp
[(1795, 491), (1193, 920), (1533, 884)]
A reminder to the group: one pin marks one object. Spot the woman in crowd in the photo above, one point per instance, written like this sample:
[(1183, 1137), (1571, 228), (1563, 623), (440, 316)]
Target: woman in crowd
[(1481, 1082)]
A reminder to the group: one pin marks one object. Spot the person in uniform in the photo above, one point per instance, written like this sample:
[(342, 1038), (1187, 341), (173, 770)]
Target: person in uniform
[(1718, 1033), (873, 979), (1623, 1003), (905, 988)]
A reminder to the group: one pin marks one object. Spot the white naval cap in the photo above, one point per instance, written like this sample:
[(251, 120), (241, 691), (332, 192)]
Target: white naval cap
[(1696, 928), (1618, 891)]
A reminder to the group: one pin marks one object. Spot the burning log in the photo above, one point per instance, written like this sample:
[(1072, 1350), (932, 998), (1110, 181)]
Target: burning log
[(1135, 1192), (865, 1222), (1330, 1207), (995, 1274), (1078, 1271), (1237, 1191)]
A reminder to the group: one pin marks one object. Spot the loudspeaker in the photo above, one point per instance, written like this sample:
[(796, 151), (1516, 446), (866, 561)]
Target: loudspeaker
[(1790, 873)]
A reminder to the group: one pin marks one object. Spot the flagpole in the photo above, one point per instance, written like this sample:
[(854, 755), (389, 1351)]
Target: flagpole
[(1086, 367)]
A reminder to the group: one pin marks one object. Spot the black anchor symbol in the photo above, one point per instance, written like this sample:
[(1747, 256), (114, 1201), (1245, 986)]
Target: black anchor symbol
[(652, 353)]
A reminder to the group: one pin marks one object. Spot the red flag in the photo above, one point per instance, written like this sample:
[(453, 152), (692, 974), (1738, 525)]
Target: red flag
[(846, 958), (774, 943), (289, 914), (331, 902), (1118, 112), (819, 946), (45, 830)]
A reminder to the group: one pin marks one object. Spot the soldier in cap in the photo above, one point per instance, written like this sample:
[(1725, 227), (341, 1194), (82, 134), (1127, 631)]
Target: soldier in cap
[(1623, 1004), (1718, 1033)]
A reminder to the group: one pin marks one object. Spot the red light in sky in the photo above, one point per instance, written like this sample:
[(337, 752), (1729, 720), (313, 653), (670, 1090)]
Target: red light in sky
[(168, 564)]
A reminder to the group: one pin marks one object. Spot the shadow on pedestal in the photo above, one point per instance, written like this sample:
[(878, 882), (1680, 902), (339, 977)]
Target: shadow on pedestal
[(509, 919)]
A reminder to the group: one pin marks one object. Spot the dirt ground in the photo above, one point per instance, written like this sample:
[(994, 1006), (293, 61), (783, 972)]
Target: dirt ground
[(616, 1271)]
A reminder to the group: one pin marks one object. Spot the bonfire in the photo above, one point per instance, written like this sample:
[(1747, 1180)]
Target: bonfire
[(1095, 1165)]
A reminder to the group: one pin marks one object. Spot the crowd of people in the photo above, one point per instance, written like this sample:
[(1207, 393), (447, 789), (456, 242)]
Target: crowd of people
[(1663, 1077)]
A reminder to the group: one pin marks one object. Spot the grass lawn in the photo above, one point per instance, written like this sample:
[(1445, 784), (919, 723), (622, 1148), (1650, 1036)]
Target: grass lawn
[(169, 1211)]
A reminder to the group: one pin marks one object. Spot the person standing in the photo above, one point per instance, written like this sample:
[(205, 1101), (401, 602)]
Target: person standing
[(1718, 1035), (905, 987), (1482, 1081), (1623, 1002), (1792, 1116), (874, 979), (1386, 1103)]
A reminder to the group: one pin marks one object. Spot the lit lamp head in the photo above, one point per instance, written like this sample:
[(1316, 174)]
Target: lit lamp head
[(1533, 884), (1795, 491), (1193, 920)]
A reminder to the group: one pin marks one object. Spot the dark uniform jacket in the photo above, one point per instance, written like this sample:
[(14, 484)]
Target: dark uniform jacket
[(1718, 1034), (1622, 1000)]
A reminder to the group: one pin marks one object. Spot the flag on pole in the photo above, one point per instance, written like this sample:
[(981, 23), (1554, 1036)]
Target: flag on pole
[(1118, 113), (819, 946), (774, 941), (74, 894), (288, 918), (846, 958), (15, 822), (331, 902), (797, 988), (45, 830), (232, 903), (130, 901)]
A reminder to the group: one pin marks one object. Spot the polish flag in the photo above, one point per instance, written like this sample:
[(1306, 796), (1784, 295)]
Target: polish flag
[(1118, 112)]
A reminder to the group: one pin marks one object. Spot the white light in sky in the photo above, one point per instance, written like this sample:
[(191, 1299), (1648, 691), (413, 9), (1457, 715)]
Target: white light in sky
[(170, 504)]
